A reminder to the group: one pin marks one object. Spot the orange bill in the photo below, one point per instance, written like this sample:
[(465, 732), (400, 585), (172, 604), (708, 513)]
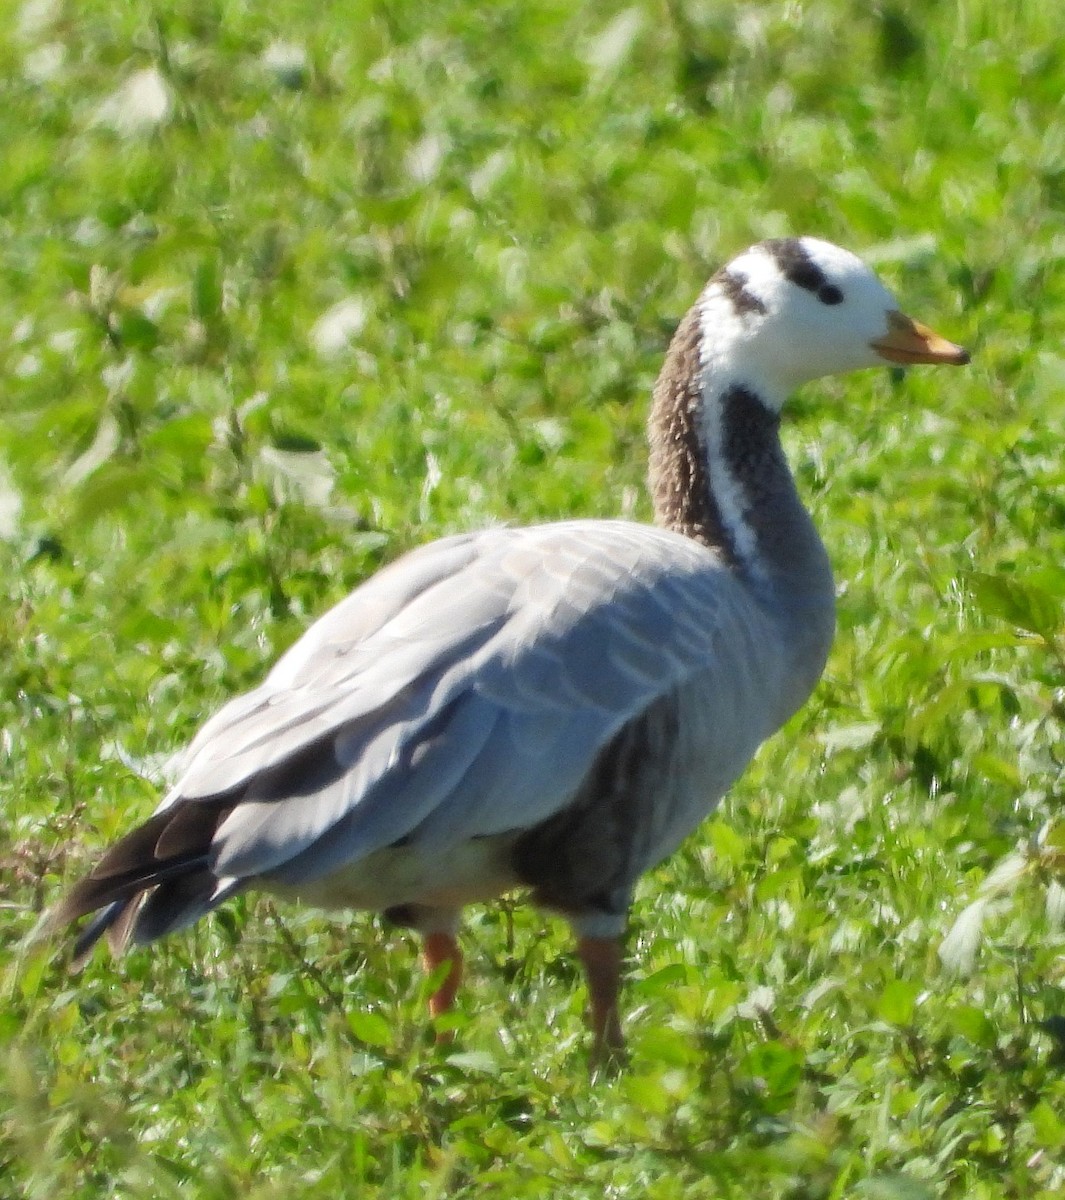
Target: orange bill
[(908, 341)]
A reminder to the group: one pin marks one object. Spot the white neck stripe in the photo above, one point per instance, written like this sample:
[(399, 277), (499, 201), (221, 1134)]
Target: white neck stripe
[(721, 327)]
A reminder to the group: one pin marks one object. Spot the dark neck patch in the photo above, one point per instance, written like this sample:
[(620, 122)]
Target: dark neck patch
[(750, 434), (681, 474), (800, 269)]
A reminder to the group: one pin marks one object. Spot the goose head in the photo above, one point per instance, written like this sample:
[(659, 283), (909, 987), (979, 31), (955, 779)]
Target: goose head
[(790, 310)]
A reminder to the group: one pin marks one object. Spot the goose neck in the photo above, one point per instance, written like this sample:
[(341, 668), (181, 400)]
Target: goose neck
[(718, 472)]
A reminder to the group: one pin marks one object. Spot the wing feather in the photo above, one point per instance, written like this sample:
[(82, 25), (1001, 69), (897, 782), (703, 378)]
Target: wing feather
[(465, 690), (286, 818)]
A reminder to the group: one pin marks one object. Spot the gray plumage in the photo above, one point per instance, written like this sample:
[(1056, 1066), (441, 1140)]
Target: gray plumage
[(553, 707), (467, 692)]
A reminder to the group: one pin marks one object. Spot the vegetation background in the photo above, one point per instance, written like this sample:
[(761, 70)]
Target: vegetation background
[(286, 289)]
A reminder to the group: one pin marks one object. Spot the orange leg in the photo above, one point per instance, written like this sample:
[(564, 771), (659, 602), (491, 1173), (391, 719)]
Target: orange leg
[(440, 948), (602, 966)]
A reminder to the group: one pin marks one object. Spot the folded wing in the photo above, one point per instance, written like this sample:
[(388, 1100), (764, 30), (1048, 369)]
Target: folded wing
[(463, 691)]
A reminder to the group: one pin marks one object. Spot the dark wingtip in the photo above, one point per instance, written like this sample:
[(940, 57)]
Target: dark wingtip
[(148, 864), (101, 924)]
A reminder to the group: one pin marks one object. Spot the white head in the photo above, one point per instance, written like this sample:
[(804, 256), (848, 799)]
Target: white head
[(793, 309)]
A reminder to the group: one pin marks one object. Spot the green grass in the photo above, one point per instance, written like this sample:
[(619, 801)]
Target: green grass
[(518, 201)]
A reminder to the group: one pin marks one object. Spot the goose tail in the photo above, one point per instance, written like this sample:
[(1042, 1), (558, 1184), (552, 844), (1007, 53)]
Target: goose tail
[(154, 881)]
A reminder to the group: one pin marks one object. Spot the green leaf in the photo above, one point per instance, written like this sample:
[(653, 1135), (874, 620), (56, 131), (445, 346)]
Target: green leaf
[(117, 487), (665, 979), (973, 1024), (779, 1067), (474, 1062), (370, 1027), (1023, 604), (1053, 836), (898, 1002), (207, 291), (137, 332), (291, 441), (665, 1046), (892, 1187), (1049, 1127), (996, 769), (728, 846)]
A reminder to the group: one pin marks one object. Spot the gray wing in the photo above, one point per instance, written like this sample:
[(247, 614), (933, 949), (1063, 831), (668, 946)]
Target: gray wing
[(465, 690)]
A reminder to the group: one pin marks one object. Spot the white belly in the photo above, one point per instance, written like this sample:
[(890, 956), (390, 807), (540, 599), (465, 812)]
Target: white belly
[(414, 874)]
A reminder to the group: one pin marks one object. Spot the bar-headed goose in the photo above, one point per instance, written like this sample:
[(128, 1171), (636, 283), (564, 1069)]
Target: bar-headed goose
[(552, 708)]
